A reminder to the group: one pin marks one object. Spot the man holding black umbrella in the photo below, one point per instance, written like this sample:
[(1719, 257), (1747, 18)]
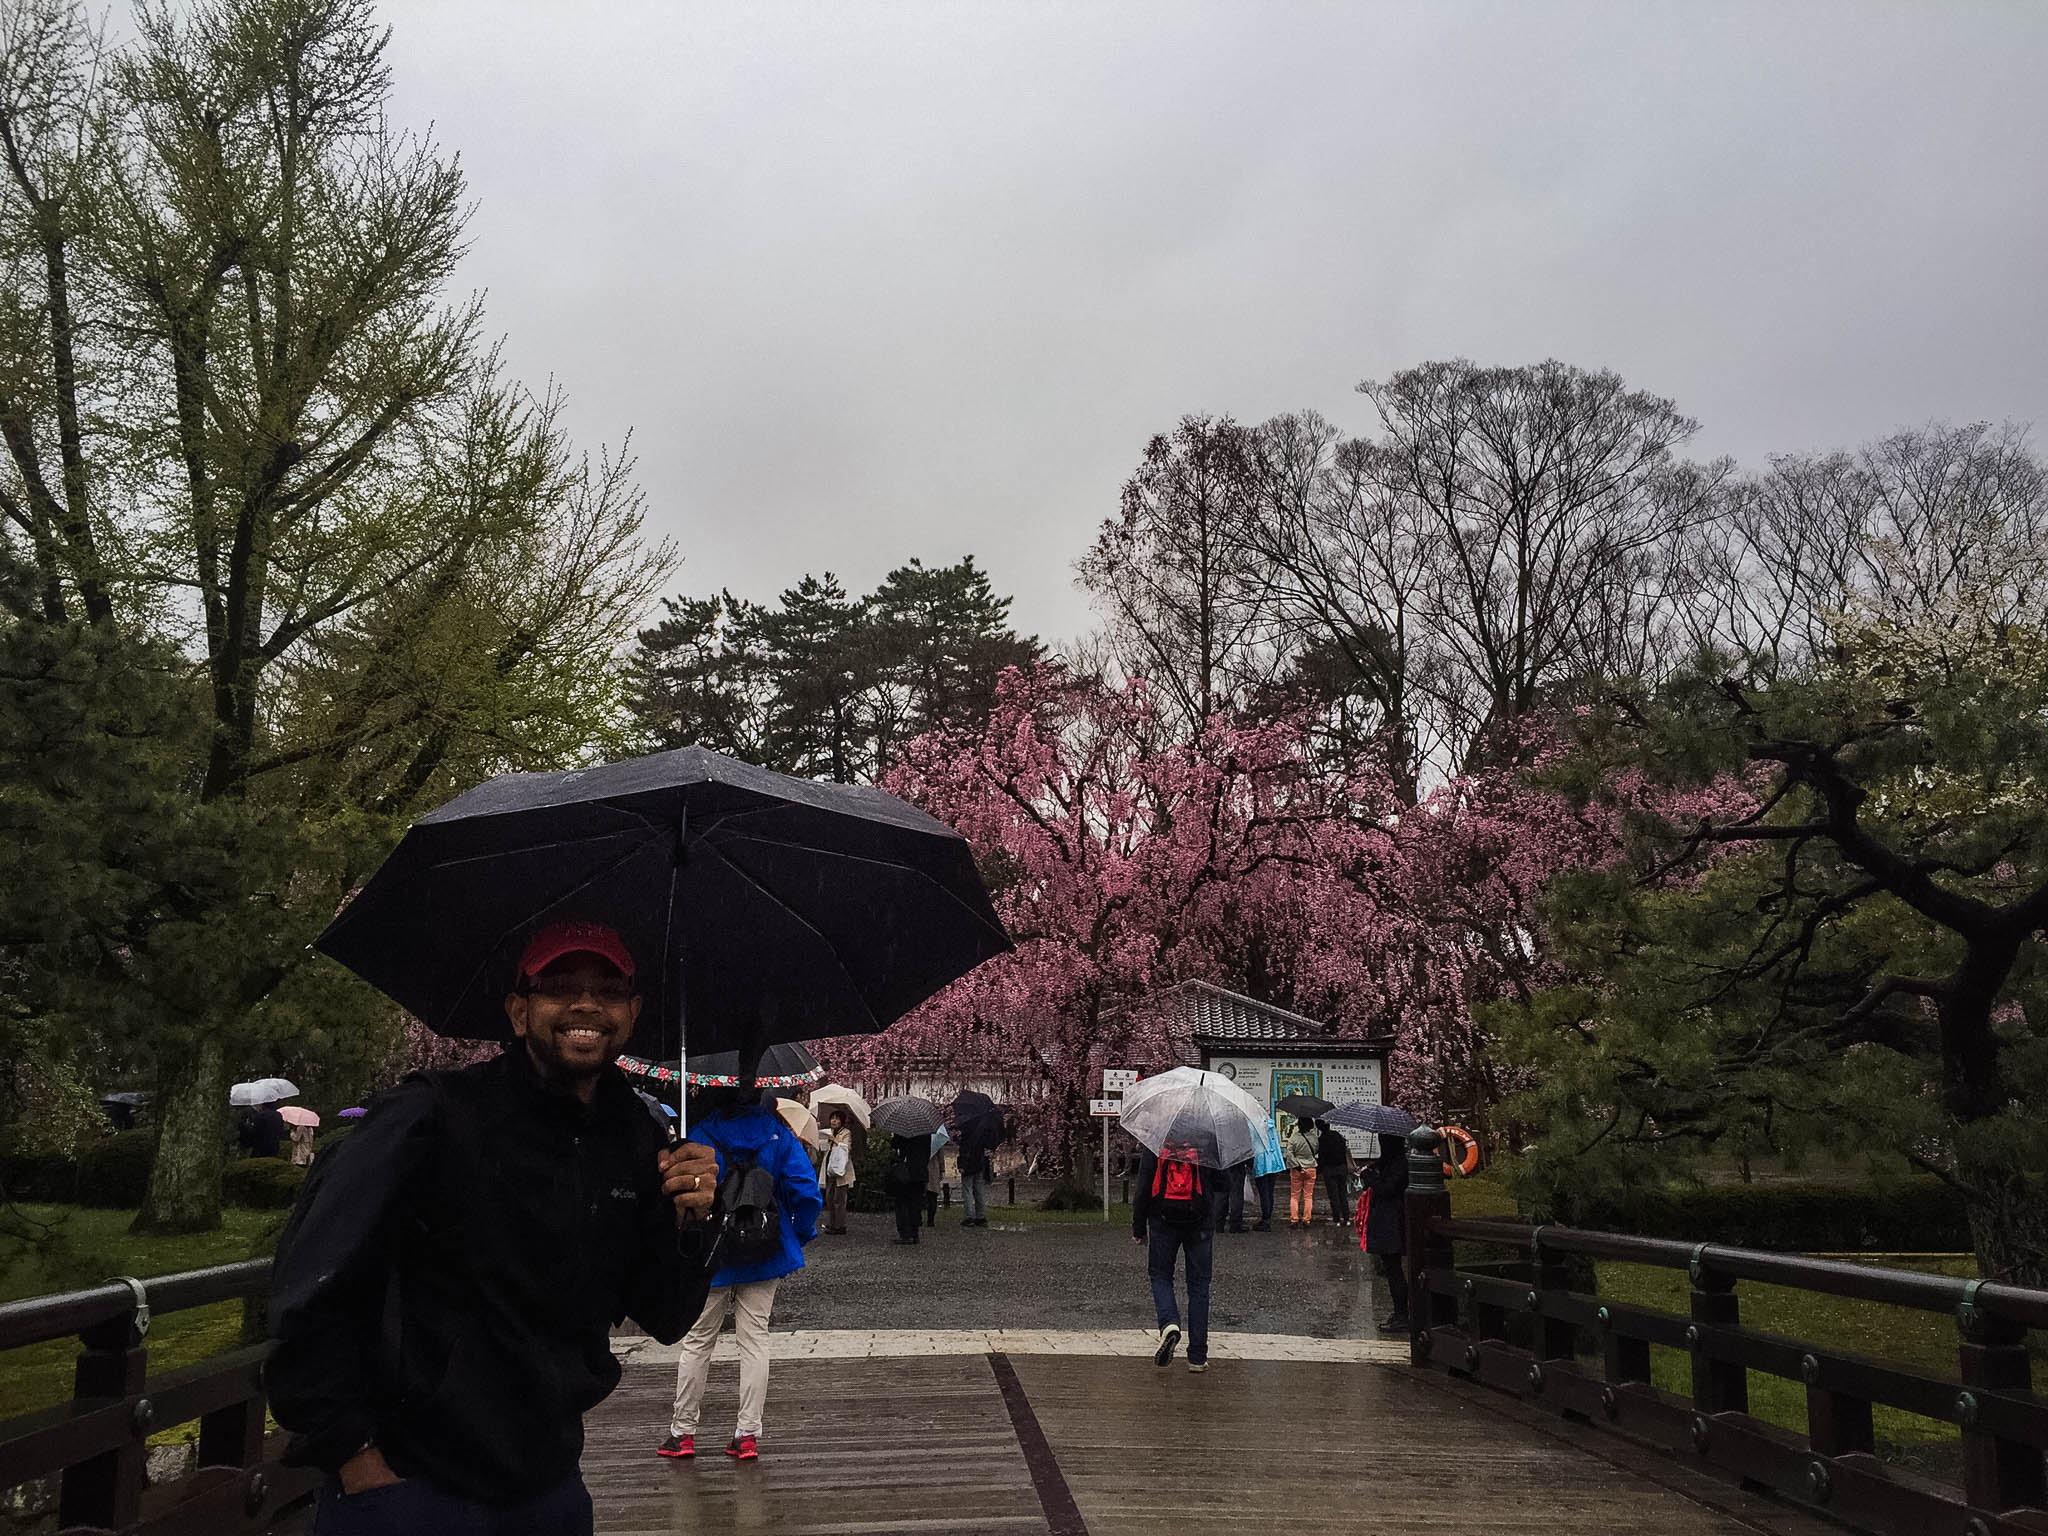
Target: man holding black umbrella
[(445, 1289)]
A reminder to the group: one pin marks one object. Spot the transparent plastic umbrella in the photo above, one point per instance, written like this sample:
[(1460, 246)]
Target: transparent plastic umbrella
[(1200, 1111), (264, 1090)]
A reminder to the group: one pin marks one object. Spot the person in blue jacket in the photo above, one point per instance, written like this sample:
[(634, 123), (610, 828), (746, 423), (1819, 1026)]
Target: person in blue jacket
[(738, 1126)]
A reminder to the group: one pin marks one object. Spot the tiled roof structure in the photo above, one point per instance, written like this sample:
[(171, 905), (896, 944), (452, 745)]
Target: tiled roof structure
[(1207, 1012)]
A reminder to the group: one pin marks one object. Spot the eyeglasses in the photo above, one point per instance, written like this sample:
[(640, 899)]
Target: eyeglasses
[(610, 992)]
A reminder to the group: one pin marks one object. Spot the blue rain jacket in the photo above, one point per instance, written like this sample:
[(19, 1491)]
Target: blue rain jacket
[(1266, 1156), (758, 1129)]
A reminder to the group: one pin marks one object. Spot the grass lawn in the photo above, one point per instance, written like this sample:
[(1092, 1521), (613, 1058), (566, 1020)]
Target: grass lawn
[(81, 1247)]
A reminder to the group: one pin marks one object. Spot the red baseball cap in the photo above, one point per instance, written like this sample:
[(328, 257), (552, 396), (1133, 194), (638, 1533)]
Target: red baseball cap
[(559, 939)]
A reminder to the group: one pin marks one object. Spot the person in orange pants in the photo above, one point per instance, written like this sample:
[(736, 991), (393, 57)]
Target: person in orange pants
[(1300, 1155), (1301, 1196)]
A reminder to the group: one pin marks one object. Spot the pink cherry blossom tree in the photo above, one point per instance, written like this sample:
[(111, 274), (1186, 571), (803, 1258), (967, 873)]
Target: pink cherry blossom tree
[(1124, 857)]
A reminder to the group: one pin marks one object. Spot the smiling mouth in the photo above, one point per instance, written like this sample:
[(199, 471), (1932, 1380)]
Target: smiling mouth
[(582, 1036)]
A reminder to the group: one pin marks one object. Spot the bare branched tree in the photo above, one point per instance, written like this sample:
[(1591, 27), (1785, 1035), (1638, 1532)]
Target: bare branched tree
[(1551, 505), (1174, 575)]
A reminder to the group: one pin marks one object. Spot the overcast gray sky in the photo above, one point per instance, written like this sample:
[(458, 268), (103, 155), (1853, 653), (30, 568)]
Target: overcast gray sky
[(874, 281)]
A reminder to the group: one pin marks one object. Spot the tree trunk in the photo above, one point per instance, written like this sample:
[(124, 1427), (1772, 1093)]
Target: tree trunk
[(2009, 1228), (191, 1118)]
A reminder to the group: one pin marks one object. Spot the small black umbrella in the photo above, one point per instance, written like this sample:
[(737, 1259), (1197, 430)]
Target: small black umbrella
[(1304, 1106), (907, 1116), (759, 908), (978, 1121)]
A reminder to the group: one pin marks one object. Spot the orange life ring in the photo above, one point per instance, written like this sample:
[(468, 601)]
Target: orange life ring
[(1461, 1150)]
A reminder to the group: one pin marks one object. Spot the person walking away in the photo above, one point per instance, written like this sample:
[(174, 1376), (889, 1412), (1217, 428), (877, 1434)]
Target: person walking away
[(444, 1291), (1300, 1154), (769, 1192), (1333, 1164), (904, 1182), (839, 1172), (974, 1172), (1173, 1210), (1382, 1223), (1268, 1163)]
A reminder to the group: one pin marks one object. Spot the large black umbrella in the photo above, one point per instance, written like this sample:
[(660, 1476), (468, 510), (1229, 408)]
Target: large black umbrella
[(759, 908)]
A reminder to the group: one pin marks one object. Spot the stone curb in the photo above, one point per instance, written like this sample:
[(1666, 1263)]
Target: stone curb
[(899, 1343)]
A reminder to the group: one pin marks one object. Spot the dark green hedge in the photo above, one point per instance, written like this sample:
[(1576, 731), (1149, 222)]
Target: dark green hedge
[(262, 1183), (1914, 1216), (114, 1174)]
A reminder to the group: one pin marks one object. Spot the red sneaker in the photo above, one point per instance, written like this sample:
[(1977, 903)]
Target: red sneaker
[(743, 1448), (675, 1447)]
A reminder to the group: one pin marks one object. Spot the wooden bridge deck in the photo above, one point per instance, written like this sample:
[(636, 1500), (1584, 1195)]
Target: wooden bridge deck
[(933, 1446)]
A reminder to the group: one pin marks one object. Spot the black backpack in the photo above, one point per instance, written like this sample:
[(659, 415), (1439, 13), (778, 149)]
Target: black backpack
[(750, 1229)]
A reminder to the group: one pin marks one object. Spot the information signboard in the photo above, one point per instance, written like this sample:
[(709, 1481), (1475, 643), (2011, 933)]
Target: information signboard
[(1106, 1107), (1117, 1079)]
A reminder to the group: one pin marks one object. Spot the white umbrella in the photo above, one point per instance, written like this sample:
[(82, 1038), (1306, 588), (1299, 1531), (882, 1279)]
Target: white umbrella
[(833, 1096), (1204, 1112), (265, 1090), (798, 1119)]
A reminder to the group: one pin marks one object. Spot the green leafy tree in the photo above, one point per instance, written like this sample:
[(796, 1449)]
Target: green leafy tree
[(1830, 936), (247, 428), (824, 684), (943, 637)]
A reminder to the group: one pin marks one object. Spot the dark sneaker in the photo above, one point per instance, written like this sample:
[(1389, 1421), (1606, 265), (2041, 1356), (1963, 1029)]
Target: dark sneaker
[(1395, 1324), (676, 1447), (1198, 1366), (1262, 1226), (743, 1448), (1169, 1336)]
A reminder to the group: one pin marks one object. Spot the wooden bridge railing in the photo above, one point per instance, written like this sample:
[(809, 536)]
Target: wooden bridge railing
[(97, 1444), (1522, 1327)]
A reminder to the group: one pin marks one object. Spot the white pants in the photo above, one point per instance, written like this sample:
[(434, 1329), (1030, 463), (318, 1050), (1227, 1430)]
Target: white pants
[(752, 1302)]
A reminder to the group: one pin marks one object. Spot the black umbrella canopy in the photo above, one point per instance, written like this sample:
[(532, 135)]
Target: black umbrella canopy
[(1304, 1106), (758, 908), (904, 1115), (789, 1065), (978, 1122)]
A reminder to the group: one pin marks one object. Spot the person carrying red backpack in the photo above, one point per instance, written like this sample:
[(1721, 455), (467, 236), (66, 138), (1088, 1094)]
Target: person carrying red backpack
[(1174, 1210)]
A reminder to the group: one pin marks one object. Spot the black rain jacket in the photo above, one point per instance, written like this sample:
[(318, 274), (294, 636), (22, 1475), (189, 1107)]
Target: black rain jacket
[(449, 1277)]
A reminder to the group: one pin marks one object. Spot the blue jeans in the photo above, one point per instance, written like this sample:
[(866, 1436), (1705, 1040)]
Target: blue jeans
[(413, 1506), (1200, 1245), (974, 1196)]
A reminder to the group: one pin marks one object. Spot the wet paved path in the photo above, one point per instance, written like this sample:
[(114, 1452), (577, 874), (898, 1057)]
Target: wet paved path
[(930, 1445), (1079, 1276)]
